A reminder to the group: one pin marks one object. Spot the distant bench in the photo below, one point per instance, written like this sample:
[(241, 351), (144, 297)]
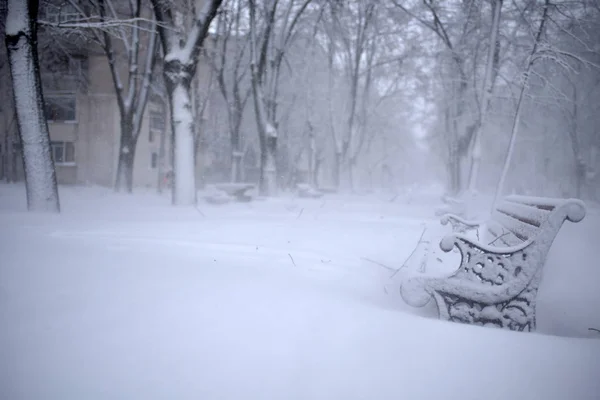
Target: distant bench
[(307, 191), (228, 191), (501, 269)]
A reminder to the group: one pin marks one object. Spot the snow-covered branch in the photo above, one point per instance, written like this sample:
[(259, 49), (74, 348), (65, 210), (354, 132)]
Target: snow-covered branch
[(98, 22)]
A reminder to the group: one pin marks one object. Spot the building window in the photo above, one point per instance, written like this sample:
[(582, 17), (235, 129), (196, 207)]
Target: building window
[(63, 153), (157, 124), (76, 66), (61, 108), (154, 160), (61, 14), (157, 120)]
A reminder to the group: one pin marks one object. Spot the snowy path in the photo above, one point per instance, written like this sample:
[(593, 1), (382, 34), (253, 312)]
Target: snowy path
[(126, 299)]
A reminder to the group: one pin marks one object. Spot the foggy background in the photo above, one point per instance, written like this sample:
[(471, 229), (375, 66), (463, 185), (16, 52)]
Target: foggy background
[(370, 95)]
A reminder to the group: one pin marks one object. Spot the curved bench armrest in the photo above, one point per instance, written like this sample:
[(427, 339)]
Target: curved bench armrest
[(455, 239), (456, 220)]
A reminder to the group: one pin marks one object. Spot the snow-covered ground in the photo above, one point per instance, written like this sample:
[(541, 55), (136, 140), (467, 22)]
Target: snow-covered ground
[(126, 297)]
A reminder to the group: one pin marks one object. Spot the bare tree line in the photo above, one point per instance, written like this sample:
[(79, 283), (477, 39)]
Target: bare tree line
[(349, 91)]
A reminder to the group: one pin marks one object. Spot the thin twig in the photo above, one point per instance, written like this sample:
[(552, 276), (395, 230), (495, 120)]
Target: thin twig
[(378, 263), (594, 330), (291, 258), (499, 237), (91, 23), (300, 213), (200, 211), (411, 254)]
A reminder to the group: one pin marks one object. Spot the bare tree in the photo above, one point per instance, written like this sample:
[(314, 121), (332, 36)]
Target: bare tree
[(128, 38), (8, 123), (491, 71), (21, 42), (454, 25), (355, 42), (182, 41), (517, 118), (562, 50), (229, 62), (366, 65), (267, 51)]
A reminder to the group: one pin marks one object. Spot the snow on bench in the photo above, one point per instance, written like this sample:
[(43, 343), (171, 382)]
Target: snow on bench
[(500, 272)]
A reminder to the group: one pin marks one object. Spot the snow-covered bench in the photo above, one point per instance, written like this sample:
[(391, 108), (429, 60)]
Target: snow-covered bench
[(239, 191), (223, 193), (501, 263), (307, 191)]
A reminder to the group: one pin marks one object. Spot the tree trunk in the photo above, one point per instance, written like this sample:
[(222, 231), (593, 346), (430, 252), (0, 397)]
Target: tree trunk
[(579, 170), (267, 135), (462, 137), (337, 170), (5, 156), (455, 143), (488, 87), (127, 147), (453, 161), (125, 165), (315, 178), (350, 173), (161, 161), (236, 156), (236, 166), (181, 48), (454, 176), (14, 165), (268, 169), (578, 162), (21, 42), (178, 83), (579, 177), (312, 159), (125, 172)]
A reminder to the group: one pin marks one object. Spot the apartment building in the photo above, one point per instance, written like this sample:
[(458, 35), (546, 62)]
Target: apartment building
[(83, 118)]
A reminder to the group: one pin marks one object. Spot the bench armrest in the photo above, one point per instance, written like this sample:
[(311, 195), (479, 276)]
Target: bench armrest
[(460, 224), (418, 288), (459, 240)]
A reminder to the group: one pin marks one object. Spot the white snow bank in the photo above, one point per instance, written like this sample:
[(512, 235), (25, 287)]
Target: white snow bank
[(127, 297)]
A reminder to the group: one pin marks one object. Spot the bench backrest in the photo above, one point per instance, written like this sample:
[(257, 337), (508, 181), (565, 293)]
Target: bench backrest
[(517, 219)]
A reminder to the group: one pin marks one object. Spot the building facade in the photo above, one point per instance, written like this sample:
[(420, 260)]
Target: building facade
[(83, 120), (84, 130)]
